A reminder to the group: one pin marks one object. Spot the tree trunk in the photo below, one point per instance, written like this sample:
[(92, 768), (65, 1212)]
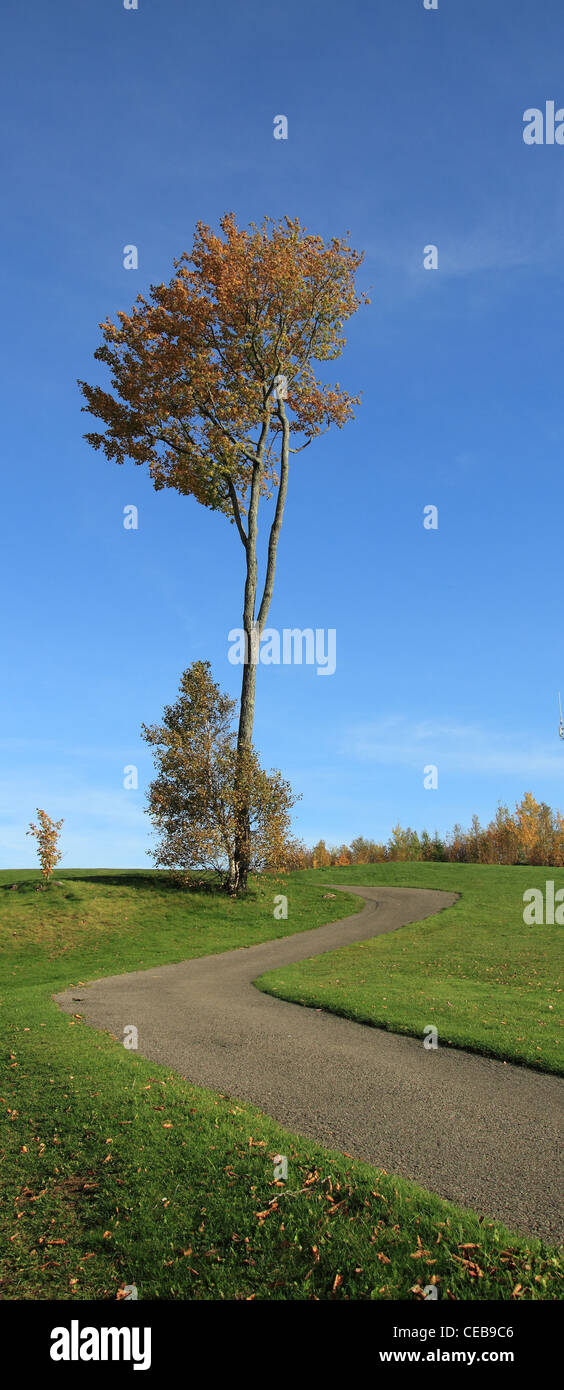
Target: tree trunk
[(232, 881), (253, 632), (244, 746)]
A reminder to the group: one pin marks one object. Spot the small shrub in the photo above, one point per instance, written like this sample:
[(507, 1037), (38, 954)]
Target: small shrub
[(47, 836)]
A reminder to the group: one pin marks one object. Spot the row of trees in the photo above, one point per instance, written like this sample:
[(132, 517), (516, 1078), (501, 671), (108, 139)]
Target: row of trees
[(531, 834), (193, 805)]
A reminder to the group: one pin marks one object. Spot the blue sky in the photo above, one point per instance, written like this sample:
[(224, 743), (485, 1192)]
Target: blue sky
[(404, 126)]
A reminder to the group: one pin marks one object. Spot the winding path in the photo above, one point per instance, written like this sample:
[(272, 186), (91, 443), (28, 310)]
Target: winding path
[(482, 1133)]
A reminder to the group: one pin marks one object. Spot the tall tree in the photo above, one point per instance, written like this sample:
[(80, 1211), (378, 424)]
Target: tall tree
[(212, 378)]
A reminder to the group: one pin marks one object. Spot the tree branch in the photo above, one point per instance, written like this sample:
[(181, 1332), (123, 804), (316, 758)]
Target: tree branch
[(236, 512), (277, 521)]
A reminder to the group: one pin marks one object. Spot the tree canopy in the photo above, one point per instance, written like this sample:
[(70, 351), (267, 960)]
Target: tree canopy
[(195, 798), (196, 368)]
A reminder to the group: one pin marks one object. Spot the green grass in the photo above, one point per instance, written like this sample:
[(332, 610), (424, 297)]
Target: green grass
[(105, 922), (114, 1170), (488, 982)]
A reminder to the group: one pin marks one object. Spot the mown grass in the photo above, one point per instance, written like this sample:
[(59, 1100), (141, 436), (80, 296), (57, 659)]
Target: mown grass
[(115, 1171), (488, 982), (91, 923)]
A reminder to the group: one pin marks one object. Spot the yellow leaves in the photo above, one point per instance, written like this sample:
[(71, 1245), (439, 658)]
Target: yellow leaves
[(47, 835)]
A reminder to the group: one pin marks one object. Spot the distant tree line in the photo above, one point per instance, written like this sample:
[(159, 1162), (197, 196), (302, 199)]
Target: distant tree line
[(532, 834)]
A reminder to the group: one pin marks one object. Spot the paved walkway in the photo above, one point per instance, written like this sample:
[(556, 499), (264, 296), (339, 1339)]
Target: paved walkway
[(482, 1133)]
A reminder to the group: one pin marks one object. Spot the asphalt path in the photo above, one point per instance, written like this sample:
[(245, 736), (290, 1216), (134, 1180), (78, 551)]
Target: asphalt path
[(483, 1133)]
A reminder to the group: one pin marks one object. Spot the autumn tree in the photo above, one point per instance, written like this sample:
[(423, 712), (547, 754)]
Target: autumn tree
[(320, 855), (457, 845), (402, 844), (558, 841), (343, 856), (47, 835), (213, 389), (293, 854), (503, 837), (360, 850), (477, 842), (195, 799), (535, 830)]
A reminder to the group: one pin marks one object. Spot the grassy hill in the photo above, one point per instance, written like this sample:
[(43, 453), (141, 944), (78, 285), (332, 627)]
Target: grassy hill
[(487, 981), (115, 1170)]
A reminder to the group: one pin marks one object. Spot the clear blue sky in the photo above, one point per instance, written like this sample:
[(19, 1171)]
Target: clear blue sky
[(405, 126)]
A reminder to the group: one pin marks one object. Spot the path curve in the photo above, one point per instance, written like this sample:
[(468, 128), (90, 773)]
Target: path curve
[(480, 1132)]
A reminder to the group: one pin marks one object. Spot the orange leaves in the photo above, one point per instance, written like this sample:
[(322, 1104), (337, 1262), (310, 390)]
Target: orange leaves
[(470, 1266), (533, 834), (312, 1177), (262, 1215), (194, 366), (420, 1252)]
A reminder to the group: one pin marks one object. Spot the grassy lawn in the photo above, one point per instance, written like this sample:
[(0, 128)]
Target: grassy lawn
[(104, 922), (488, 982), (116, 1171)]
